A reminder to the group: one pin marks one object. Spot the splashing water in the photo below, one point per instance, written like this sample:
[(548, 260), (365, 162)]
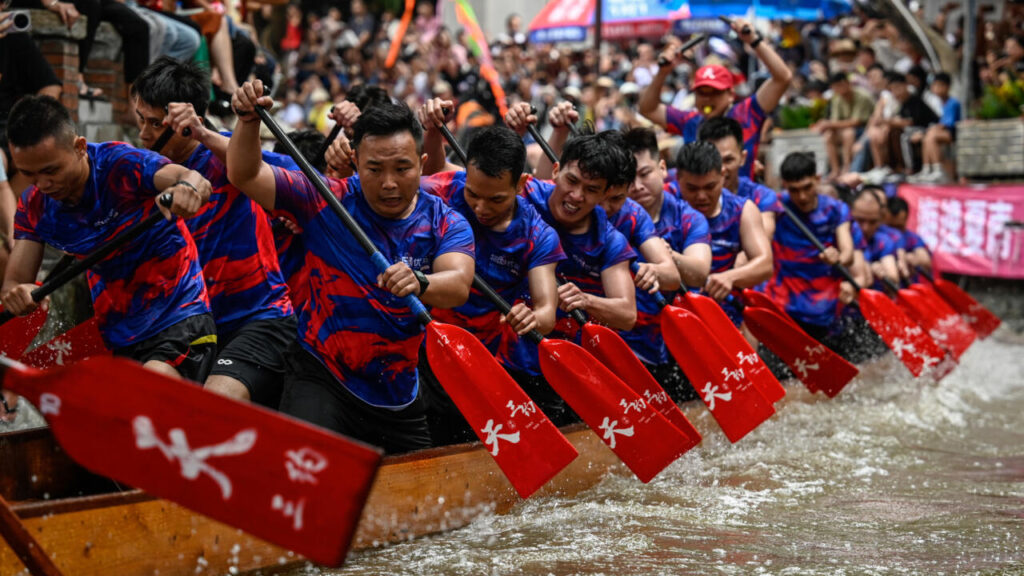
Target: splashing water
[(894, 476)]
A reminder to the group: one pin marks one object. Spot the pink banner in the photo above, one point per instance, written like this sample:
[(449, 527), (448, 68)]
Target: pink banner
[(973, 230)]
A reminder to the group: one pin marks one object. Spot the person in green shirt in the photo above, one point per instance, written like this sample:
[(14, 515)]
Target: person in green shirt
[(849, 111)]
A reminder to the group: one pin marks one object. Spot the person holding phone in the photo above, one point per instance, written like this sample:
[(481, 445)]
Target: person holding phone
[(715, 96)]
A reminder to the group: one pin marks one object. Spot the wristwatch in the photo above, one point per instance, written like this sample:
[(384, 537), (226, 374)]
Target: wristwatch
[(422, 279), (757, 41)]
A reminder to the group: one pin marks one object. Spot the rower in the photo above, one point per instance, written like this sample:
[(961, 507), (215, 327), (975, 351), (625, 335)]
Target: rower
[(516, 254), (917, 253), (689, 241), (149, 297), (882, 241), (727, 135), (805, 282), (248, 295), (353, 368), (713, 88), (735, 225), (596, 274)]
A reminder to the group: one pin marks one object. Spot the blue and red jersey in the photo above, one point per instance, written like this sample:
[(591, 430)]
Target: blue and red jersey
[(364, 335), (912, 241), (886, 242), (149, 285), (747, 112), (859, 242), (503, 260), (634, 223), (291, 251), (588, 254), (803, 284), (762, 196), (726, 244), (671, 188), (236, 250)]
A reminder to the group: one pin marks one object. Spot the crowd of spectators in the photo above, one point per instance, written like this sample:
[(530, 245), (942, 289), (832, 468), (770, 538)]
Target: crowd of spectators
[(883, 110)]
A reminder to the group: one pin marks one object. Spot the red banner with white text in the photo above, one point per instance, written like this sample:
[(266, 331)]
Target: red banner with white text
[(973, 230)]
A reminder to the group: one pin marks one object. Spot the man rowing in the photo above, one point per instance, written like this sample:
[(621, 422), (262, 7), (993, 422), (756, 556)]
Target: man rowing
[(727, 136), (149, 297), (248, 296), (917, 254), (713, 88), (734, 223), (596, 273), (516, 254), (882, 242), (805, 282), (353, 369)]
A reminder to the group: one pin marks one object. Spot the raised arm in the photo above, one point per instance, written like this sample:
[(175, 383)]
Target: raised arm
[(559, 117), (769, 94), (246, 168), (432, 116), (649, 104), (181, 116)]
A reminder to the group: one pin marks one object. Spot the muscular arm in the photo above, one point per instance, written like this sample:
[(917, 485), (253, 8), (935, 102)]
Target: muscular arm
[(246, 168), (618, 307), (768, 221), (769, 94), (450, 280), (658, 255), (544, 294), (886, 268), (694, 264), (20, 276), (758, 252), (844, 241), (649, 104)]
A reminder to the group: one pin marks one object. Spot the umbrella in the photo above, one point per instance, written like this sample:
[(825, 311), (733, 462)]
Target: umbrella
[(569, 20)]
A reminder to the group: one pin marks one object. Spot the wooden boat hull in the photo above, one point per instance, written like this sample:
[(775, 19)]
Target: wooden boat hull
[(128, 533)]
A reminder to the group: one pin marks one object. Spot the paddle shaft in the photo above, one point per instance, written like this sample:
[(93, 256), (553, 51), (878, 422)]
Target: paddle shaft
[(543, 143), (62, 277), (817, 244), (503, 305), (24, 544), (327, 144), (371, 249), (662, 61)]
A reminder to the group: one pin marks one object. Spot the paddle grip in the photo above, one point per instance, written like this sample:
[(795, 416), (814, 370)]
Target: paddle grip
[(540, 140), (329, 140), (162, 140), (817, 244), (503, 305), (662, 61), (659, 298), (927, 274), (578, 315), (314, 177), (574, 129), (64, 272)]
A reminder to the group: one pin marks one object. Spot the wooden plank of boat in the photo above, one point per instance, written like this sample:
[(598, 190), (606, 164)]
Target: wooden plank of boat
[(415, 494)]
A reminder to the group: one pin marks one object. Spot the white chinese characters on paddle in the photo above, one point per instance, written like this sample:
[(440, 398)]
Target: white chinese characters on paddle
[(193, 462), (711, 393), (493, 436), (304, 464), (610, 430)]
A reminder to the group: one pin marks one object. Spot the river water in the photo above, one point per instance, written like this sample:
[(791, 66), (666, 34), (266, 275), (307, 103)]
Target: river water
[(894, 476)]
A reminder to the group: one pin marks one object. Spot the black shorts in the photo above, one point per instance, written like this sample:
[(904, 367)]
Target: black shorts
[(254, 355), (313, 394), (190, 346)]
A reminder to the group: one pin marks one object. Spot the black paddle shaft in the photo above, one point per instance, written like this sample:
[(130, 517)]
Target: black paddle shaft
[(314, 177), (662, 61), (817, 244), (61, 277), (453, 143), (540, 140), (503, 306)]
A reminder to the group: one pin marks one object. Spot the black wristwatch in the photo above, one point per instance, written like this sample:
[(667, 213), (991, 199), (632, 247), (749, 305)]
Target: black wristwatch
[(422, 279), (756, 41)]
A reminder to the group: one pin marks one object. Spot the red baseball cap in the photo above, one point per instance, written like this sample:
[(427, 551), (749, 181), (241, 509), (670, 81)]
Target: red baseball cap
[(713, 76)]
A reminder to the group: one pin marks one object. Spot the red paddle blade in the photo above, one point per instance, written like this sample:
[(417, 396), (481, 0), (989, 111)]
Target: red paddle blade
[(811, 361), (19, 332), (949, 317), (287, 482), (528, 448), (613, 352), (902, 335), (980, 318), (735, 403), (718, 322), (761, 300), (925, 312), (640, 436), (75, 345)]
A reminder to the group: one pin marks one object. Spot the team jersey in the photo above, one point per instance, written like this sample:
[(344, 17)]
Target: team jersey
[(912, 241), (634, 223), (886, 242), (762, 196), (859, 242), (671, 188), (236, 250), (364, 335), (747, 112), (503, 260), (291, 251), (588, 254), (806, 286), (726, 244), (149, 285)]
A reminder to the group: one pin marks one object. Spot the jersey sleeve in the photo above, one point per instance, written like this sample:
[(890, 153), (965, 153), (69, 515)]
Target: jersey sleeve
[(676, 119), (767, 200), (616, 248), (30, 209), (297, 197), (444, 185), (130, 171), (544, 246), (695, 229), (455, 234)]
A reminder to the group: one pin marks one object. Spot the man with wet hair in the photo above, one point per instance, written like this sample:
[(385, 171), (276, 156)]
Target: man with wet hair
[(353, 369), (715, 96), (727, 135), (248, 295), (735, 226), (516, 254), (149, 297)]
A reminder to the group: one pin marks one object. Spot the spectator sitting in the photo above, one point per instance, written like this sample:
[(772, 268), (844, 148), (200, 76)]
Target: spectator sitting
[(850, 108), (915, 117), (939, 134)]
